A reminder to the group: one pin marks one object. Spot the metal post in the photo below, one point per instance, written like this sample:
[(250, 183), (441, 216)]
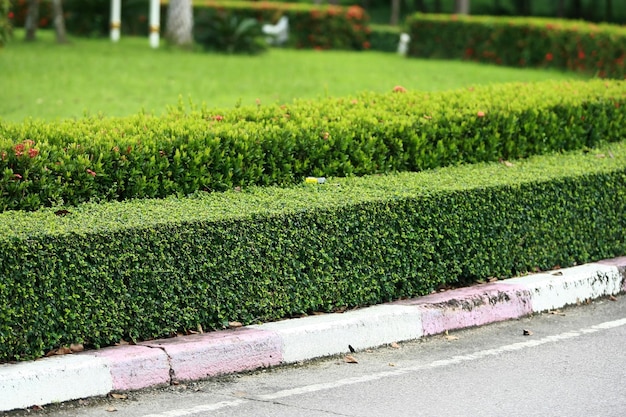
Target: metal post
[(116, 19), (155, 17)]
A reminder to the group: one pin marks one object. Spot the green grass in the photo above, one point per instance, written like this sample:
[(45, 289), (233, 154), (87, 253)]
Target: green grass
[(49, 81)]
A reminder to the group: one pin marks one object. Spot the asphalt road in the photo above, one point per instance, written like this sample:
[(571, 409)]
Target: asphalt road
[(573, 363)]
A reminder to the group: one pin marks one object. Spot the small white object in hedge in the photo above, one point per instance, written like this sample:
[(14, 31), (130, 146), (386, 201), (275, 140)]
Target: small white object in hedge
[(315, 180), (278, 33), (403, 45)]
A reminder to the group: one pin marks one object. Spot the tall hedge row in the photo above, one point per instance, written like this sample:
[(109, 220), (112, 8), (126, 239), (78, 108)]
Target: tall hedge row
[(69, 162), (596, 49), (141, 269)]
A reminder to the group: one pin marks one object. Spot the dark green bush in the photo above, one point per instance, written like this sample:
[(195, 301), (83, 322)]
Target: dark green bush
[(229, 33), (68, 162), (384, 38), (149, 268), (525, 42)]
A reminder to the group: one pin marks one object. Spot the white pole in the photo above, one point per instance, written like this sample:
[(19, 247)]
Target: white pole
[(155, 12), (116, 19)]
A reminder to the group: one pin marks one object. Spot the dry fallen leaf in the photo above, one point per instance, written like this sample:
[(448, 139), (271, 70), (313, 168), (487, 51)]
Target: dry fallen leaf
[(600, 155), (111, 409), (612, 298), (392, 364), (527, 332), (119, 396), (234, 324), (450, 337), (557, 274), (77, 347), (557, 312), (395, 345), (350, 359), (507, 163)]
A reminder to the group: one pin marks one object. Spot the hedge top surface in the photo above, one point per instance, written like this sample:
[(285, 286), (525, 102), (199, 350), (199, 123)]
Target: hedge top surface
[(452, 105), (266, 201), (541, 22)]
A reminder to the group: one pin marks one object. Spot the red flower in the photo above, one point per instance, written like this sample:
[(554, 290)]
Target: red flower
[(549, 56), (480, 114), (18, 176), (19, 149), (90, 172), (399, 89), (11, 15), (32, 152), (581, 54), (366, 45), (218, 118)]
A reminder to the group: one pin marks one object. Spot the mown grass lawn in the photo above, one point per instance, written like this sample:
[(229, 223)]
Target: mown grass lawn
[(49, 81)]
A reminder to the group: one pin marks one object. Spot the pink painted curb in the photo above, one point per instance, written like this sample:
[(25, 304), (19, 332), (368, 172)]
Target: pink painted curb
[(136, 367), (223, 352), (473, 306)]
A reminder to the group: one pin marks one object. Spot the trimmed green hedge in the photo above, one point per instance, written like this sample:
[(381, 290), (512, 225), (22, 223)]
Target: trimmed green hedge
[(310, 25), (147, 268), (534, 42), (69, 162)]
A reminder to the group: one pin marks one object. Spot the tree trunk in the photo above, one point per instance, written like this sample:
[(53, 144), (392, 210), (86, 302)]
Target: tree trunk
[(438, 6), (59, 21), (577, 6), (395, 12), (32, 20), (462, 6), (523, 7), (179, 23), (560, 8), (608, 10)]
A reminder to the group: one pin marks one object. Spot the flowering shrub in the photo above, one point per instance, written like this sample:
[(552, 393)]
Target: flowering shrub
[(6, 16), (525, 42), (310, 26), (43, 164)]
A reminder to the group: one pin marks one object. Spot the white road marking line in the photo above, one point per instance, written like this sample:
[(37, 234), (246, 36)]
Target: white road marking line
[(380, 375)]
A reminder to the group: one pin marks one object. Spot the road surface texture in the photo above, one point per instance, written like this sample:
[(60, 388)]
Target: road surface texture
[(569, 362)]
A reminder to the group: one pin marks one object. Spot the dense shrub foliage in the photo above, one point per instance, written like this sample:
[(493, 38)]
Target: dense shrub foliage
[(68, 162), (141, 269), (310, 26), (535, 42), (6, 16)]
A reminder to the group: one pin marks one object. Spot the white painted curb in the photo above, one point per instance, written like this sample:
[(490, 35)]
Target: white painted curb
[(54, 379), (568, 286), (330, 334)]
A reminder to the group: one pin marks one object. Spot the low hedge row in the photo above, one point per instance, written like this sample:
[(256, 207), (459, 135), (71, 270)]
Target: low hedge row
[(536, 42), (148, 268), (69, 162), (310, 25)]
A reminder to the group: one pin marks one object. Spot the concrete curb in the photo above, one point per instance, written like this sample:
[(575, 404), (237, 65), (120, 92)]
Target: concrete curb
[(161, 362)]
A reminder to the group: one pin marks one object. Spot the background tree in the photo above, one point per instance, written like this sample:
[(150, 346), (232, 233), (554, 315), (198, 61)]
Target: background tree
[(395, 12), (32, 20), (59, 21), (462, 6), (179, 22)]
